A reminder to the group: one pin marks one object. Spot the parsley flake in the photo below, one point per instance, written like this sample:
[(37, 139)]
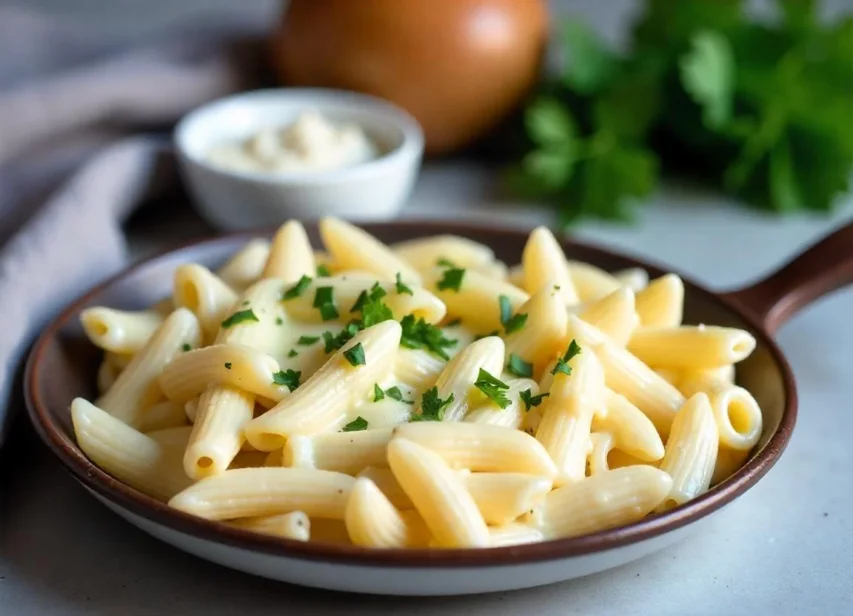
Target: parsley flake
[(292, 353), (323, 271), (307, 340), (444, 262), (288, 378), (378, 394), (228, 365), (418, 334), (452, 279), (519, 367), (563, 363), (395, 394), (432, 406), (186, 347), (401, 286), (493, 388), (356, 425), (334, 342), (324, 301), (241, 316), (297, 289), (530, 400), (511, 323), (355, 355), (279, 321)]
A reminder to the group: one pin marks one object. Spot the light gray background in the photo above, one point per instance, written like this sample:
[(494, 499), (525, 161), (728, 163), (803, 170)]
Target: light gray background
[(786, 547)]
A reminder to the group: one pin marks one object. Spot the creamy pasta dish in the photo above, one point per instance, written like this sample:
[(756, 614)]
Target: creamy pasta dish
[(421, 394)]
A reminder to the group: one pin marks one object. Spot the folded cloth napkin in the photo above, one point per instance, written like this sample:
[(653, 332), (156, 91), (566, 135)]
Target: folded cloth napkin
[(75, 158)]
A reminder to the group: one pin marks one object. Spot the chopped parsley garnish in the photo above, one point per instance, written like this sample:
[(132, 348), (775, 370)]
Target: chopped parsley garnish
[(493, 387), (292, 353), (228, 365), (297, 289), (563, 363), (334, 342), (395, 394), (418, 334), (279, 321), (307, 340), (241, 316), (530, 400), (378, 394), (432, 407), (375, 293), (401, 286), (511, 323), (452, 279), (324, 301), (519, 367), (328, 312), (443, 262), (288, 378), (186, 347), (323, 271), (356, 425), (355, 355)]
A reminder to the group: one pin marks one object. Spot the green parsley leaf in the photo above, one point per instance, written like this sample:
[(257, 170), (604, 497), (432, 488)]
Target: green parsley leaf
[(519, 367), (511, 323), (307, 340), (323, 271), (297, 289), (292, 353), (563, 363), (493, 387), (452, 279), (356, 425), (228, 365), (378, 394), (241, 316), (395, 394), (442, 262), (355, 355), (328, 312), (401, 287), (279, 321), (432, 406), (506, 308), (334, 342), (590, 66), (324, 295), (288, 378), (418, 334), (530, 400), (708, 75), (186, 347)]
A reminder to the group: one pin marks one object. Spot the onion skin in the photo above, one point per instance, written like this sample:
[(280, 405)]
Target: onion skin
[(458, 66)]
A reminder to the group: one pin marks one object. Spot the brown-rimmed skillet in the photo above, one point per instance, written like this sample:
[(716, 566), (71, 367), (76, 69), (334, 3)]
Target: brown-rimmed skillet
[(62, 365)]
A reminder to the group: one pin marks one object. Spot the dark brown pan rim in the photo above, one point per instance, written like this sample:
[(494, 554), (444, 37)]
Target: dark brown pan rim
[(159, 513)]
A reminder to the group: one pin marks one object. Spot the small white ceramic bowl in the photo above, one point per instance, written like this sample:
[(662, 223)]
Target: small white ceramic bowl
[(245, 199)]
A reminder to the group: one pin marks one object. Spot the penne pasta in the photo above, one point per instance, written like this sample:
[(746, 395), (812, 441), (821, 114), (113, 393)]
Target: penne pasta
[(691, 451), (168, 414), (424, 254), (592, 283), (246, 266), (632, 432), (373, 522), (614, 315), (417, 368), (504, 497), (545, 265), (543, 335), (294, 525), (736, 413), (384, 479), (515, 276), (253, 492), (439, 495), (343, 452), (352, 248), (601, 444), (691, 348), (290, 256), (728, 463), (514, 534), (198, 289), (217, 434), (119, 331), (635, 278), (481, 448), (661, 303)]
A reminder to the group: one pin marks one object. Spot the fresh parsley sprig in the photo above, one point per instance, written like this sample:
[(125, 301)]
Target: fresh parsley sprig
[(493, 388), (432, 406), (562, 364)]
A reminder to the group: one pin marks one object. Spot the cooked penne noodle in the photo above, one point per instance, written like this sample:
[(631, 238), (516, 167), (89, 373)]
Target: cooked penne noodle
[(417, 368), (671, 376), (168, 414), (543, 335), (107, 375), (503, 497), (661, 303), (592, 283), (353, 248), (217, 431), (616, 458), (635, 278), (425, 253), (481, 448), (579, 509), (254, 320), (344, 452), (601, 444), (373, 522), (320, 404), (691, 451), (136, 387), (439, 495), (246, 265), (460, 374), (252, 492), (514, 534), (198, 289), (630, 377), (510, 417), (389, 486), (291, 256), (233, 365), (125, 453), (691, 347), (545, 265), (294, 525), (346, 291), (119, 331), (614, 315), (567, 416), (174, 439), (736, 413), (477, 299), (632, 431)]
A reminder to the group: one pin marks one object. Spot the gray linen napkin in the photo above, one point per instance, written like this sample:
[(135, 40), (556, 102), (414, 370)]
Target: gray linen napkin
[(74, 159)]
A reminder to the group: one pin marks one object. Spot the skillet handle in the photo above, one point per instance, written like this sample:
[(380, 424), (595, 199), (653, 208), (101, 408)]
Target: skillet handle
[(822, 268)]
